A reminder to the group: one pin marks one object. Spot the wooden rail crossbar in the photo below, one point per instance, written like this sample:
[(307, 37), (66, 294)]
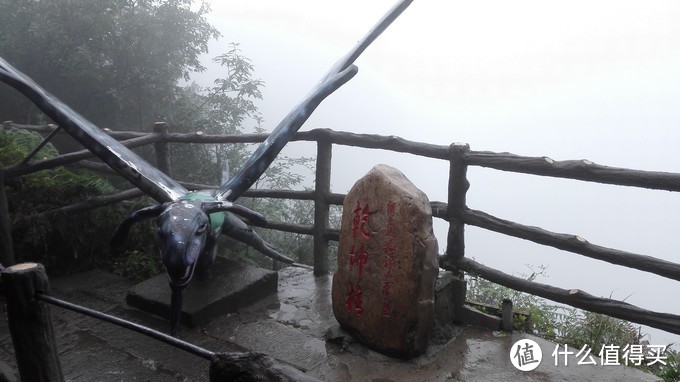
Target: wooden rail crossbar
[(455, 211)]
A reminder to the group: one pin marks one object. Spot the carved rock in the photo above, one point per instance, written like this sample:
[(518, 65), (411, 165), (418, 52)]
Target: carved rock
[(383, 290)]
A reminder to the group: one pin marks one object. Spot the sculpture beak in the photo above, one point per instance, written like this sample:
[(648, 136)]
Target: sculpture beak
[(180, 260)]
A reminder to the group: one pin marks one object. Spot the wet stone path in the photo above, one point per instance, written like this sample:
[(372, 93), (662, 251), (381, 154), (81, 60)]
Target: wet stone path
[(296, 326)]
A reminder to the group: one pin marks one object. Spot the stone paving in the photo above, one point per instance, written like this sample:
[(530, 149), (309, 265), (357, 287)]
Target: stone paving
[(296, 326)]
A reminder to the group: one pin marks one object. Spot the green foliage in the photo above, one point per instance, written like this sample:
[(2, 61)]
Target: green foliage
[(117, 62), (138, 265), (671, 371), (225, 108), (565, 325), (55, 239)]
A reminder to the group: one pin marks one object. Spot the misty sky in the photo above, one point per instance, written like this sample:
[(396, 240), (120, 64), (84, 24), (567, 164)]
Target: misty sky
[(569, 80)]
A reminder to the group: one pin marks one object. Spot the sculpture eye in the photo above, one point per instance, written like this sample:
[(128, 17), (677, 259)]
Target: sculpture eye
[(201, 228)]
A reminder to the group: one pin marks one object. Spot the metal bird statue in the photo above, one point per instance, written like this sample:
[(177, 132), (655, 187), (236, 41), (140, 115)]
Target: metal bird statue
[(190, 222)]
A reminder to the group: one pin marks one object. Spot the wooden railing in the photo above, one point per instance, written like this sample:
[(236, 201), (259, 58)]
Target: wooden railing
[(455, 211), (26, 289)]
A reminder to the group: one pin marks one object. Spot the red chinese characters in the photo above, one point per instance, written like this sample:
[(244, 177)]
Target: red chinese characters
[(360, 221), (353, 301), (358, 257), (389, 256)]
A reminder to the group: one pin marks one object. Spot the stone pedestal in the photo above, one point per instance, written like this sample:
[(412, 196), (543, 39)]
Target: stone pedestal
[(232, 286), (383, 290)]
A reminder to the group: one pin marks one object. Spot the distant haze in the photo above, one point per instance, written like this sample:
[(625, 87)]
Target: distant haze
[(568, 80)]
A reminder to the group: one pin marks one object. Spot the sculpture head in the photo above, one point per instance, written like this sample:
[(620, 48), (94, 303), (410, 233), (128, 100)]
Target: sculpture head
[(183, 230)]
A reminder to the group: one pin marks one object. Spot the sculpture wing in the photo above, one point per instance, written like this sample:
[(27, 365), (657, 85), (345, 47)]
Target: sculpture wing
[(129, 165), (338, 75)]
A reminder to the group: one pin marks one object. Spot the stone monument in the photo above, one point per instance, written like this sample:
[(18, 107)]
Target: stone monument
[(383, 290)]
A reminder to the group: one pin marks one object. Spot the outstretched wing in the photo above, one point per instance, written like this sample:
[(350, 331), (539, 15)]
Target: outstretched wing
[(338, 75), (129, 165)]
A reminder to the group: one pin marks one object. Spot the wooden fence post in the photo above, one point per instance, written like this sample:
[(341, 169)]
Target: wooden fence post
[(30, 323), (161, 148), (506, 315), (455, 243), (6, 247), (322, 191)]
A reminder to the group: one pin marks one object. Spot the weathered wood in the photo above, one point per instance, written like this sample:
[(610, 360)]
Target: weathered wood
[(30, 323), (279, 194), (333, 234), (322, 187), (161, 148), (303, 229), (440, 210), (455, 241), (61, 160), (49, 128), (506, 315), (576, 298), (6, 247), (336, 199), (573, 243), (200, 137), (458, 186), (372, 141), (575, 169), (46, 129), (259, 192), (93, 166), (336, 137), (91, 203), (100, 201)]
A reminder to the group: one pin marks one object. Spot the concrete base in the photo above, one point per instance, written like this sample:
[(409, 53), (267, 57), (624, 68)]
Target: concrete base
[(446, 301), (444, 313), (232, 286)]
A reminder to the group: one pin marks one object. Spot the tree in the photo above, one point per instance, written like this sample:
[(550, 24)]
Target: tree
[(117, 62), (222, 109)]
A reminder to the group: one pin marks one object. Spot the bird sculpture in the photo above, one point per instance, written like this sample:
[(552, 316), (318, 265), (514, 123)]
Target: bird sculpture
[(189, 223)]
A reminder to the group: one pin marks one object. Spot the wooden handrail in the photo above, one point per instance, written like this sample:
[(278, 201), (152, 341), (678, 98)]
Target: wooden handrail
[(455, 211), (576, 298), (584, 170), (573, 243)]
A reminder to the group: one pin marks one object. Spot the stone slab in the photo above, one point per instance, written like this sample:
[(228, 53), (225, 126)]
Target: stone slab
[(232, 286), (282, 342)]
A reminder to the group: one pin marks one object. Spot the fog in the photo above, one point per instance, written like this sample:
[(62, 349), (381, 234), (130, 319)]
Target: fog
[(570, 80)]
